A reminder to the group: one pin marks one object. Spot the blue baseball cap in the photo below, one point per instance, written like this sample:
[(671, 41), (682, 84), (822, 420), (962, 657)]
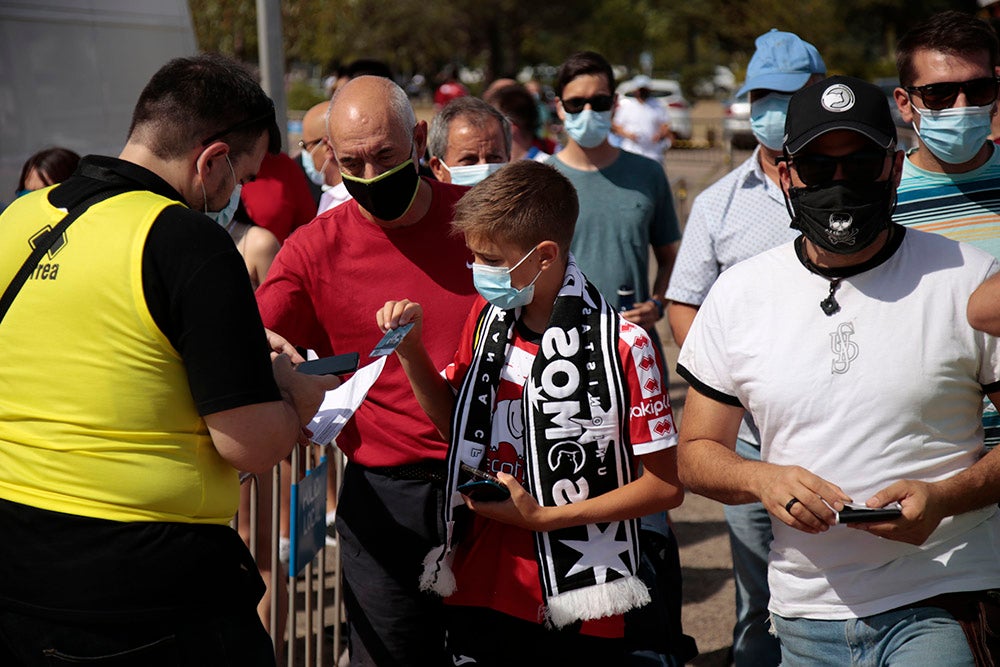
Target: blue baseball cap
[(783, 61)]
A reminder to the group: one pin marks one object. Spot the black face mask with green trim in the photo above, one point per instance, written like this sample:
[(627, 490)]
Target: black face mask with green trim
[(387, 196)]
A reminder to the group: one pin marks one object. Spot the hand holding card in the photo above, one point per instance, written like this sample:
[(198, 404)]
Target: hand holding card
[(397, 319), (391, 340)]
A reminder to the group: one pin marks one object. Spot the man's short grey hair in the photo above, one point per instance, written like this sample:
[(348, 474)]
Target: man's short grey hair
[(396, 99), (473, 111)]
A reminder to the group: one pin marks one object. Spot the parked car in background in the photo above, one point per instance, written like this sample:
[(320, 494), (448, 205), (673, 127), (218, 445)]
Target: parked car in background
[(669, 92), (736, 130)]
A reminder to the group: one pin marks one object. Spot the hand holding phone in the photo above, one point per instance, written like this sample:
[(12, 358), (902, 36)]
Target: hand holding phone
[(338, 364), (853, 513), (483, 486)]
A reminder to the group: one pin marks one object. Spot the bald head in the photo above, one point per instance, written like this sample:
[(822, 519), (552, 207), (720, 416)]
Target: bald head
[(373, 128), (314, 123)]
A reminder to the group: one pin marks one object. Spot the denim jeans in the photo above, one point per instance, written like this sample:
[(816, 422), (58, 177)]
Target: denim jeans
[(750, 541), (902, 638)]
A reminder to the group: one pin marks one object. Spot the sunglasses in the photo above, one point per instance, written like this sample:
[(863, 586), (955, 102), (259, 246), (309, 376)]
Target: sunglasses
[(597, 103), (864, 166), (937, 96)]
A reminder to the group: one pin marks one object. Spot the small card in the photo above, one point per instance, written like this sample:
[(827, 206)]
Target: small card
[(390, 341)]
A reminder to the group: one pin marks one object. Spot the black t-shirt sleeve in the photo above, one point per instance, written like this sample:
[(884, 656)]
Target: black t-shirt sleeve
[(199, 294)]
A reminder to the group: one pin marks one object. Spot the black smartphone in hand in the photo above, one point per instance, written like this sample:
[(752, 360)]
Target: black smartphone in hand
[(862, 514), (338, 364), (483, 486)]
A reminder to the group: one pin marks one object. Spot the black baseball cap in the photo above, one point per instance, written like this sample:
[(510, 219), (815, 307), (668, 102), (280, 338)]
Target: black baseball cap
[(838, 103)]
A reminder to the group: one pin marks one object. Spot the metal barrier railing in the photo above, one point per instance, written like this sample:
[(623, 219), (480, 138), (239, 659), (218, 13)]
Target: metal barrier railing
[(293, 632)]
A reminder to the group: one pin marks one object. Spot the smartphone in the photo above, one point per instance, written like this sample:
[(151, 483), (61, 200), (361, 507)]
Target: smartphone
[(338, 364), (860, 513), (483, 486)]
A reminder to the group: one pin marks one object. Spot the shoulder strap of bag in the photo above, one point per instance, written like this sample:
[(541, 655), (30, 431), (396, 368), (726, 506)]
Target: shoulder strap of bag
[(45, 242)]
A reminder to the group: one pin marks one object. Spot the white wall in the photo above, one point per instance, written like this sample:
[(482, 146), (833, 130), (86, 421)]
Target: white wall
[(72, 70)]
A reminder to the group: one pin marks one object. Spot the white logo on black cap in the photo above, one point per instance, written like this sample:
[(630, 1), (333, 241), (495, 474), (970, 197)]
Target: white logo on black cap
[(837, 98)]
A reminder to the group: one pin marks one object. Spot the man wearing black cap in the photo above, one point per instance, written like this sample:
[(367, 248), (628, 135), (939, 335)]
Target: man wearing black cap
[(850, 348)]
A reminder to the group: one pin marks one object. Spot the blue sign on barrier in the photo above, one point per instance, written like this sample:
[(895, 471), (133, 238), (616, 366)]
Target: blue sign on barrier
[(308, 518)]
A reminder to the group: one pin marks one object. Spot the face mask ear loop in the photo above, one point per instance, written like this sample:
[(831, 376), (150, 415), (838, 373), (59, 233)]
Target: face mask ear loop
[(784, 193)]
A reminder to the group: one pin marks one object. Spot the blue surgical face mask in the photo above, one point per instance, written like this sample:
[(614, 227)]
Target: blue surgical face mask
[(767, 119), (315, 175), (225, 216), (493, 283), (954, 135), (472, 173), (588, 128)]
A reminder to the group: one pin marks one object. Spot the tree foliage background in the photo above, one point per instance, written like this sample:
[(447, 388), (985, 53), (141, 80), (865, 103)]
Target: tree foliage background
[(687, 38)]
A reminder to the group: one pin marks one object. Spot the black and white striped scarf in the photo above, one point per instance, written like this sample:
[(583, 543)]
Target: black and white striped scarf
[(574, 406)]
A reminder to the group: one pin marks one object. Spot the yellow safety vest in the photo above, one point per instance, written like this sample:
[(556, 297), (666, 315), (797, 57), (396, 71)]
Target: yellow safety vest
[(96, 416)]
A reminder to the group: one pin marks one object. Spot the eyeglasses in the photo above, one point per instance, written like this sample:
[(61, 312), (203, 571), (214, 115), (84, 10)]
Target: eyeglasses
[(937, 96), (597, 103), (307, 146), (864, 166), (242, 125)]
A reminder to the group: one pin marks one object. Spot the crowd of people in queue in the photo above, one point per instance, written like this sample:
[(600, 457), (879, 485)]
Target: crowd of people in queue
[(510, 472)]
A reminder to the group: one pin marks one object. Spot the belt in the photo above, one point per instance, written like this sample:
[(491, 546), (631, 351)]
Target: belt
[(428, 471)]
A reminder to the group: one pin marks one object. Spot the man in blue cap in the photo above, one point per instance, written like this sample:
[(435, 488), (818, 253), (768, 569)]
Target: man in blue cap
[(738, 217)]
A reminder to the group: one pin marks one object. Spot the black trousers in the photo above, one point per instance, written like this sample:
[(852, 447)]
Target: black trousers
[(386, 527)]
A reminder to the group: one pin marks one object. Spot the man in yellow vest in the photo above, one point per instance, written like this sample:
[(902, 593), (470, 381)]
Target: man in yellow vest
[(136, 384)]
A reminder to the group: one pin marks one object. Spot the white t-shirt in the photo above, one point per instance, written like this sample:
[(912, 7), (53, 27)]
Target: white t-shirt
[(888, 388), (645, 120)]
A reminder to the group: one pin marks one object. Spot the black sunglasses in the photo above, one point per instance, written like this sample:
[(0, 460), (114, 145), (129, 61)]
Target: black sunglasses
[(864, 166), (597, 103), (937, 96)]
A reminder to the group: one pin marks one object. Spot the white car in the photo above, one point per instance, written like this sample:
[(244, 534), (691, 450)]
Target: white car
[(669, 92), (736, 123)]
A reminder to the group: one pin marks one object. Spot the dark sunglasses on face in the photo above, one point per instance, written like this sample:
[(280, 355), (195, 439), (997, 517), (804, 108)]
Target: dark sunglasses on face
[(597, 103), (864, 166), (937, 96)]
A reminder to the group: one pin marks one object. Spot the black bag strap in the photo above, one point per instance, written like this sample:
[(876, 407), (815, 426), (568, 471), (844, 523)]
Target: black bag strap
[(45, 242)]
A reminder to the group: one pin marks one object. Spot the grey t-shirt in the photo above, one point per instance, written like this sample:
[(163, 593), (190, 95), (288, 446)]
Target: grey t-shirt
[(624, 209)]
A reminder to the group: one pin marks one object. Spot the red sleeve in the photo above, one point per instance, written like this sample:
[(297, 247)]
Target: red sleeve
[(651, 418), (284, 301), (279, 199)]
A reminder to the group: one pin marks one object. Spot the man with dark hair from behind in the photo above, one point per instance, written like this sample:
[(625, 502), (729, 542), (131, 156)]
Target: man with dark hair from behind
[(137, 384), (515, 102)]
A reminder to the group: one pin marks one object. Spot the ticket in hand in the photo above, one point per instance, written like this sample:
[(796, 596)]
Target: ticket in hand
[(391, 340)]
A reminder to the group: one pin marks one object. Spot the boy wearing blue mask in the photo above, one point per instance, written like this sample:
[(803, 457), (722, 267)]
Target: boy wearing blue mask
[(556, 398), (739, 216), (626, 207)]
